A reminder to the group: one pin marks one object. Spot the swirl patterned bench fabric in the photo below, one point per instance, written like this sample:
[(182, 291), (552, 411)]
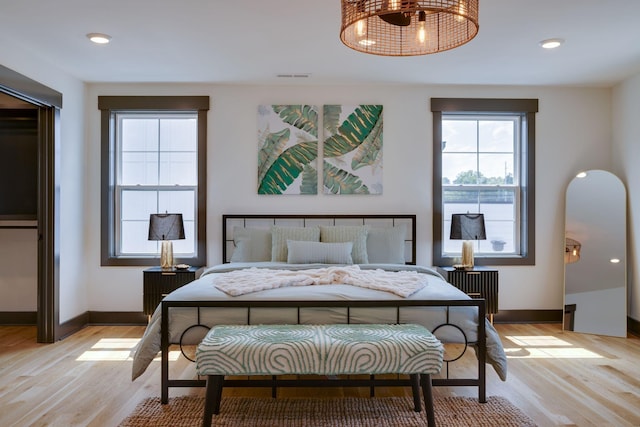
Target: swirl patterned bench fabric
[(320, 350)]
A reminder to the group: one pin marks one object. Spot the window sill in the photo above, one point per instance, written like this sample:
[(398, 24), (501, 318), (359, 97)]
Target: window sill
[(493, 260), (149, 261)]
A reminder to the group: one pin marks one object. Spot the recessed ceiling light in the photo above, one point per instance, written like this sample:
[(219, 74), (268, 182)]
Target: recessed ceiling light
[(99, 38), (551, 43)]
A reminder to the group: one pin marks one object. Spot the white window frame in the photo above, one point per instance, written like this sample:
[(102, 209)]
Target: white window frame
[(513, 188), (119, 116), (524, 110)]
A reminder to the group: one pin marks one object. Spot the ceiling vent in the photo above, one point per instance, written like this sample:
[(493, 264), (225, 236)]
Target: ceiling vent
[(293, 75)]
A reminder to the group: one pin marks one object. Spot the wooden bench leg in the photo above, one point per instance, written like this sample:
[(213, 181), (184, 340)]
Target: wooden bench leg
[(212, 398), (274, 387), (425, 379), (415, 389)]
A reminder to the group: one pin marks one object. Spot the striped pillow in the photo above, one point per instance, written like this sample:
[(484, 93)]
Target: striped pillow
[(280, 235), (324, 253), (348, 233)]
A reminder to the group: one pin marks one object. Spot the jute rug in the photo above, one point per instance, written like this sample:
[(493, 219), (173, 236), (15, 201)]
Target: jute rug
[(186, 411)]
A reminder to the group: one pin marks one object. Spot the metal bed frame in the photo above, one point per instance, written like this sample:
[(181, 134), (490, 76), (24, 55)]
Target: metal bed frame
[(477, 381), (266, 220)]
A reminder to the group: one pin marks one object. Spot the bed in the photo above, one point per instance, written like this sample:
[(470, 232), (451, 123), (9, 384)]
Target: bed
[(320, 269)]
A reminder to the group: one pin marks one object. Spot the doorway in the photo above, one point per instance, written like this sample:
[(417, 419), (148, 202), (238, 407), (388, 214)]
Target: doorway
[(48, 103)]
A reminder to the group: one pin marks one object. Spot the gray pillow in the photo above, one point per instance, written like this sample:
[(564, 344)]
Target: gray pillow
[(385, 245), (348, 233), (251, 244), (305, 252), (280, 235)]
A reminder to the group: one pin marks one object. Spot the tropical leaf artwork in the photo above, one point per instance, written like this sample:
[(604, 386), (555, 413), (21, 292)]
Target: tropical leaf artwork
[(287, 149), (352, 149)]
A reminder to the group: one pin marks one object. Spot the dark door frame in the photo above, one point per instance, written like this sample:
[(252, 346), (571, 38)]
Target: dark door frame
[(49, 103)]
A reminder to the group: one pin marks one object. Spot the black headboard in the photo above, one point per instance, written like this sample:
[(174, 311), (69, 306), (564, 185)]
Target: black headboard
[(301, 220)]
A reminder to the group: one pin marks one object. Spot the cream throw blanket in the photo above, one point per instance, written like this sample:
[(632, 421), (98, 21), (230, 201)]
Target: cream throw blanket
[(240, 282)]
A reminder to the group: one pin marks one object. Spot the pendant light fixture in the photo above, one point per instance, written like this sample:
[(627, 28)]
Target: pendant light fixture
[(407, 27)]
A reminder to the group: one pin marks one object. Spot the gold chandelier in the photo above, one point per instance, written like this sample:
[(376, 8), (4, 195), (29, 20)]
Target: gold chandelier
[(407, 27)]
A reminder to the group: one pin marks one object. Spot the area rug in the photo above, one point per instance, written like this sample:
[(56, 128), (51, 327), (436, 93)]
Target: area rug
[(186, 411)]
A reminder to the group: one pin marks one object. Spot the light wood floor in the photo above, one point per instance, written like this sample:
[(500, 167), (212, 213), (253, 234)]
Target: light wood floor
[(557, 378)]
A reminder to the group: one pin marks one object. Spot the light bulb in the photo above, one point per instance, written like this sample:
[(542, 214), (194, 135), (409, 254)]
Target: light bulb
[(361, 28), (422, 29), (422, 32), (462, 11)]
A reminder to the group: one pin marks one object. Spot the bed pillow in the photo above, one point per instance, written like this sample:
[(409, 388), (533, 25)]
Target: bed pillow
[(348, 233), (251, 244), (305, 252), (385, 245), (280, 235)]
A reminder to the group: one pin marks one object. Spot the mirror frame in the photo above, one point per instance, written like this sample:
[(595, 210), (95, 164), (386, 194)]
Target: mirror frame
[(595, 255)]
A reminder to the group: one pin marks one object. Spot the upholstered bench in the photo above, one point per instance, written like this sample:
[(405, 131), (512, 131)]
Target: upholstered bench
[(320, 350)]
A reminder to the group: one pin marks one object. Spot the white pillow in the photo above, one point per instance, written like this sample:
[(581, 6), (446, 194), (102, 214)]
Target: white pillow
[(280, 235), (385, 245), (251, 244), (305, 252), (348, 233)]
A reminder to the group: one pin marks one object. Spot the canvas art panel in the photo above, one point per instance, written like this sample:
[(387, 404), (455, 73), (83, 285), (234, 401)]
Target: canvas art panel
[(287, 149), (352, 149)]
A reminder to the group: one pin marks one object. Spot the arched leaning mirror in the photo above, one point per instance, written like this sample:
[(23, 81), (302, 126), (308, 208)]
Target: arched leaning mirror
[(595, 282)]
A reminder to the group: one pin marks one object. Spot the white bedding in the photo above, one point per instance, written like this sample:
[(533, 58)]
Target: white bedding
[(203, 289), (251, 280)]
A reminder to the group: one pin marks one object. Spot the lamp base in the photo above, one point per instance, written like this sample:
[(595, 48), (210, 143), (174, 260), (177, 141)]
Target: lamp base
[(166, 255), (467, 254)]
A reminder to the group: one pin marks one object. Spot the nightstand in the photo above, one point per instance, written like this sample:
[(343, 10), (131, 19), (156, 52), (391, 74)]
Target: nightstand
[(477, 282), (158, 283)]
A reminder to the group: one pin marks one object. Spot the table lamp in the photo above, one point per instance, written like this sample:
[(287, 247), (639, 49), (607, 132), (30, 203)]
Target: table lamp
[(467, 227), (166, 227)]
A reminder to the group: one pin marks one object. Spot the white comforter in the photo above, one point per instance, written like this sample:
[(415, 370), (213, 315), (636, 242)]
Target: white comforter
[(204, 289), (249, 280)]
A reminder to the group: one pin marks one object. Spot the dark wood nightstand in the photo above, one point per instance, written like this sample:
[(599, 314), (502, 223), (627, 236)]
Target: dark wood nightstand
[(477, 282), (158, 283)]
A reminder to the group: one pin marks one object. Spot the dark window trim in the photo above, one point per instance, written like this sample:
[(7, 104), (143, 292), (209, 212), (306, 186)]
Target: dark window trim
[(527, 206), (108, 104)]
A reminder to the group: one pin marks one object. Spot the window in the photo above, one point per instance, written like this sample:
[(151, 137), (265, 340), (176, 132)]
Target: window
[(153, 161), (484, 163)]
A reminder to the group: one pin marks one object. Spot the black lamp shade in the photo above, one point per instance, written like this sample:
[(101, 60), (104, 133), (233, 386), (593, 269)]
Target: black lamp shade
[(166, 227), (467, 227)]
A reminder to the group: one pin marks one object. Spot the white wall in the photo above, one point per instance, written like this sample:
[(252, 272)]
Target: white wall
[(626, 156), (73, 286), (18, 269), (573, 132)]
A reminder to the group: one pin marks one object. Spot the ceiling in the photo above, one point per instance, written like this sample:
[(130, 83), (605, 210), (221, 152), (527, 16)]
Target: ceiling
[(253, 41)]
